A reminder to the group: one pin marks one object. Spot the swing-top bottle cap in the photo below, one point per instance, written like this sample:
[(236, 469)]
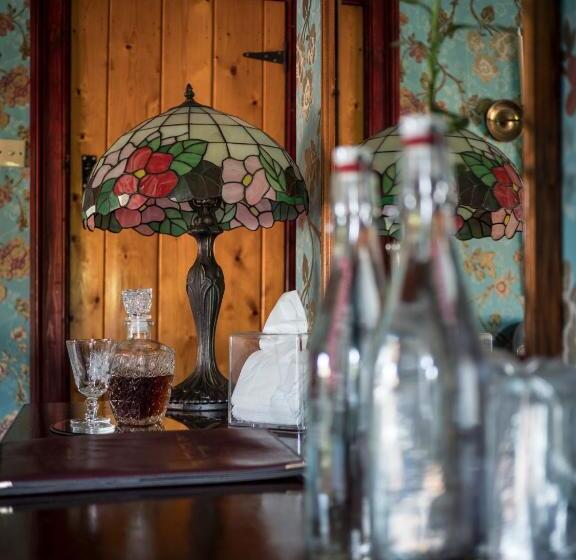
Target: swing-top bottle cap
[(137, 303), (422, 129), (351, 158)]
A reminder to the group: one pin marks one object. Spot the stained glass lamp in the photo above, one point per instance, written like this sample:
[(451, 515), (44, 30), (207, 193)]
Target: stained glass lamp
[(489, 186), (195, 170)]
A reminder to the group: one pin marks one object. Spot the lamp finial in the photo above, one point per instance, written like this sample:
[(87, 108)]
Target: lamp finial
[(189, 93)]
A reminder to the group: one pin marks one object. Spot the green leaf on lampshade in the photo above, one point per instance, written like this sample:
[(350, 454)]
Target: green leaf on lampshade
[(180, 168), (465, 212), (113, 225), (284, 212), (480, 166), (476, 227), (187, 155), (225, 215), (475, 193), (107, 201), (390, 184), (176, 149), (174, 223), (154, 145), (204, 181), (274, 172)]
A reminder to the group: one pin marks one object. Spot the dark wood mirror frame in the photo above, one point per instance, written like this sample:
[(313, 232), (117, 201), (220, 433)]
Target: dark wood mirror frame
[(49, 153)]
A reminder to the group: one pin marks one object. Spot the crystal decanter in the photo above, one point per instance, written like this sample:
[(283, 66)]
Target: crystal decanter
[(143, 369), (426, 421)]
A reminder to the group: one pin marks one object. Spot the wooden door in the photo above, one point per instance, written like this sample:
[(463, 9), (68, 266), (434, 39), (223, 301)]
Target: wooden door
[(131, 59)]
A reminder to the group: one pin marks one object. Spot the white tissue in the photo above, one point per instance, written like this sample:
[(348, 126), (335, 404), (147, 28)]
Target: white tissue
[(270, 388)]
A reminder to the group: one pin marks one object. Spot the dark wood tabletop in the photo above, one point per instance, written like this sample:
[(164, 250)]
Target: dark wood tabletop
[(242, 521)]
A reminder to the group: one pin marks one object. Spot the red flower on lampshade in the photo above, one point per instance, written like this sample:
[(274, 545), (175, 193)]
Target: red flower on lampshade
[(147, 174), (507, 187)]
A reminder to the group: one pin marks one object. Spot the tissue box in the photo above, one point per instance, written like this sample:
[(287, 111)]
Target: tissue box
[(267, 380)]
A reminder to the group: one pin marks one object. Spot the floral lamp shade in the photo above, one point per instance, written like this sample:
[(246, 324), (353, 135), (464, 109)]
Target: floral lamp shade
[(157, 177), (489, 186), (195, 170)]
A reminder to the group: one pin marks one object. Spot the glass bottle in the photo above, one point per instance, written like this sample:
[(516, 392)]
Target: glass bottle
[(337, 517), (143, 369), (425, 421), (531, 466)]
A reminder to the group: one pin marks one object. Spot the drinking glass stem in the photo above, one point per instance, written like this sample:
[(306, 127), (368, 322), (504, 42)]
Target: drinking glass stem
[(91, 410)]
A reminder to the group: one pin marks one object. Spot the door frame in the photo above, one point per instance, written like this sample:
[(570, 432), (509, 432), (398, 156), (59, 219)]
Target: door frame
[(49, 179)]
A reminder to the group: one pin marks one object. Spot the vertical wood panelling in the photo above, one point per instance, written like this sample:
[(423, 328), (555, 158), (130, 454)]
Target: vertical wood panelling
[(183, 61), (238, 90), (132, 59), (133, 95), (88, 136), (350, 74), (273, 261)]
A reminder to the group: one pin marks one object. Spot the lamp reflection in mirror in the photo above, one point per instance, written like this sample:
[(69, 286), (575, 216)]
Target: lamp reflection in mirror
[(490, 190), (195, 170)]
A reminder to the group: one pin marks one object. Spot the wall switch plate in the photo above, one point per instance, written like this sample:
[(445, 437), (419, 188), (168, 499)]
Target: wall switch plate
[(12, 153)]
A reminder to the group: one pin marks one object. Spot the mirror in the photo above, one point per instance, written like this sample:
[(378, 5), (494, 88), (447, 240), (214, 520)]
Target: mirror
[(479, 63)]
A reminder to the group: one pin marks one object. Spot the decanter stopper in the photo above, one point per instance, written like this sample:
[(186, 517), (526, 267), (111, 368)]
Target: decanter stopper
[(137, 303)]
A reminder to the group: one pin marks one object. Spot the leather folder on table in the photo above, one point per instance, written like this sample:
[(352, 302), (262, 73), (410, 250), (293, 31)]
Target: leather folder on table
[(144, 460)]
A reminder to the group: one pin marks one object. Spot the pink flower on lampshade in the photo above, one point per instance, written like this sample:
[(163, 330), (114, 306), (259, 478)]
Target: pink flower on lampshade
[(147, 173), (245, 181), (128, 218), (113, 166), (506, 222), (253, 217)]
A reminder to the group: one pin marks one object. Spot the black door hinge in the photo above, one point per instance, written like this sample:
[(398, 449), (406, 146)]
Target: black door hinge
[(278, 57)]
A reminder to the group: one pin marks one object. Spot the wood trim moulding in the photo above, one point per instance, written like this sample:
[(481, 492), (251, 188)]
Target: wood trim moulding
[(49, 170), (542, 177), (290, 135), (329, 123), (381, 65)]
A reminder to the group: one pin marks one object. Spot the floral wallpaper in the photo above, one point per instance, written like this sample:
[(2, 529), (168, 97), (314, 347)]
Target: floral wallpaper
[(308, 113), (569, 176), (14, 212), (475, 64)]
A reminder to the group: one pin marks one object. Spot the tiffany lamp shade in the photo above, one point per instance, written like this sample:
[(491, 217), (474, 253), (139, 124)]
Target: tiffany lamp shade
[(194, 170), (489, 186)]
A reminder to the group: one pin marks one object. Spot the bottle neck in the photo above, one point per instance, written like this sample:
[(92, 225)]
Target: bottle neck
[(352, 207), (427, 207), (138, 327)]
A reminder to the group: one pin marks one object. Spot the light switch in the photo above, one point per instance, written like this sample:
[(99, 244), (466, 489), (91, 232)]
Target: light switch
[(12, 153)]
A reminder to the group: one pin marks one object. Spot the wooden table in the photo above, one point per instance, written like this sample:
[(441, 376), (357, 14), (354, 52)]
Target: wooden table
[(242, 521)]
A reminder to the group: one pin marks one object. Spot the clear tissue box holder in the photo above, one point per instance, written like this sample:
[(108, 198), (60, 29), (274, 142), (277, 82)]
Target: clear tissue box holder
[(267, 380)]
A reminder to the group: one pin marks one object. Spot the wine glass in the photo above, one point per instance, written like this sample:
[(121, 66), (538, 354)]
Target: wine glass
[(91, 362)]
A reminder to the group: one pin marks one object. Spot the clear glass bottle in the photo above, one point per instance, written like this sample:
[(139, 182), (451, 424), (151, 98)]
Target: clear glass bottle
[(143, 369), (337, 517), (531, 465), (425, 422)]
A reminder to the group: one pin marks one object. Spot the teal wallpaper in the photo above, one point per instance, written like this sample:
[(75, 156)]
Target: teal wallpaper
[(308, 111), (569, 176), (474, 64), (14, 212)]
